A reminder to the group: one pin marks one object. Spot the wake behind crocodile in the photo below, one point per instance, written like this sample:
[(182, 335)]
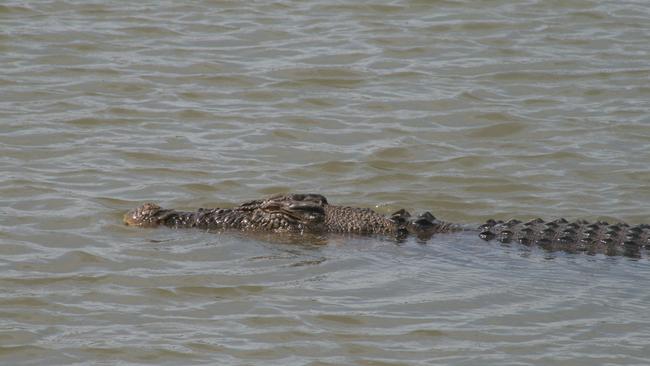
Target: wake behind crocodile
[(311, 214)]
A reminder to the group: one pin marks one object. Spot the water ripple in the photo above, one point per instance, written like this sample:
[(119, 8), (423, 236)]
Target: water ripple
[(471, 111)]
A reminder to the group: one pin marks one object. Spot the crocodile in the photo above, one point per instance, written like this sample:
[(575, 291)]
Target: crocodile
[(311, 213)]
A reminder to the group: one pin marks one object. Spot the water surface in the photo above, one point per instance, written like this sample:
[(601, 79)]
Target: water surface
[(468, 109)]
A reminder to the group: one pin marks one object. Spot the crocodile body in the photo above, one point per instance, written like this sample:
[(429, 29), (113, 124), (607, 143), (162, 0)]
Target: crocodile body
[(311, 213)]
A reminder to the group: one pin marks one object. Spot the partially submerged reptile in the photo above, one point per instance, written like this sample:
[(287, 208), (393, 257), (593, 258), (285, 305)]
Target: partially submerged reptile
[(311, 213)]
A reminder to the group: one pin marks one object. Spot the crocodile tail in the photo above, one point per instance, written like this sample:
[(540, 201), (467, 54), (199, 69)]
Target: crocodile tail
[(571, 236)]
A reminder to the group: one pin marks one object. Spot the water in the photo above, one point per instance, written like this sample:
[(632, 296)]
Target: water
[(468, 109)]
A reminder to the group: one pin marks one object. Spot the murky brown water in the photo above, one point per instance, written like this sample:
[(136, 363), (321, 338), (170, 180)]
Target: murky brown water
[(468, 109)]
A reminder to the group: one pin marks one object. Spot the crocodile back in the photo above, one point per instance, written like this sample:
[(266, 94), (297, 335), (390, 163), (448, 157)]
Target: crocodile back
[(354, 220)]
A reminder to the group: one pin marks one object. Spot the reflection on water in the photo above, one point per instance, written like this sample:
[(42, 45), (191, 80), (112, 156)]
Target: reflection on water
[(468, 110)]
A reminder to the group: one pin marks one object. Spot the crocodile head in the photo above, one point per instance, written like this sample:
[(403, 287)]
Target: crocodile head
[(147, 215), (296, 212)]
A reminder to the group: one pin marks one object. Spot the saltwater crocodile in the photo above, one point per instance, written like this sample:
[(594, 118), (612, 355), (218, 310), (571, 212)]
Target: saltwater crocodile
[(311, 213)]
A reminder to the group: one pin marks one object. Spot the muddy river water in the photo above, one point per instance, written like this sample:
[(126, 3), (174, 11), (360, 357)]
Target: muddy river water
[(467, 109)]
